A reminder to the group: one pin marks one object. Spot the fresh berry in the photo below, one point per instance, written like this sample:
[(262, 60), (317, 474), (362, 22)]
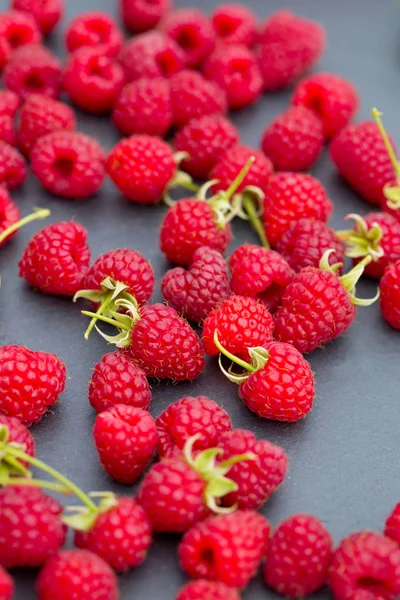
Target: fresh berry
[(9, 103), (40, 116), (233, 160), (235, 24), (227, 548), (192, 31), (7, 130), (290, 197), (234, 68), (69, 572), (141, 15), (31, 529), (294, 140), (201, 589), (46, 14), (56, 259), (17, 29), (364, 595), (205, 140), (365, 561), (9, 214), (390, 295), (188, 417), (151, 54), (13, 169), (332, 98), (196, 292), (94, 29), (392, 525), (69, 164), (17, 434), (7, 587), (298, 557)]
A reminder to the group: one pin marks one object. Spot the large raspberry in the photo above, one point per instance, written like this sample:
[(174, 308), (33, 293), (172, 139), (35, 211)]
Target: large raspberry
[(7, 130), (232, 162), (234, 23), (46, 14), (9, 103), (94, 29), (191, 30), (151, 54), (13, 171), (17, 29), (32, 69), (141, 15)]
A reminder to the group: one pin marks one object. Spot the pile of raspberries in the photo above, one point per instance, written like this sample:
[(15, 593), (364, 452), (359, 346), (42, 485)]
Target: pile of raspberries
[(259, 311)]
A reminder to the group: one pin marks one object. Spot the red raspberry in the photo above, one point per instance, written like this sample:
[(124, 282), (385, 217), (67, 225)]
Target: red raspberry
[(31, 529), (390, 295), (290, 197), (240, 323), (13, 170), (9, 214), (196, 292), (188, 417), (46, 14), (93, 81), (332, 98), (7, 131), (290, 46), (97, 30), (144, 107), (294, 140), (69, 164), (226, 548), (69, 572), (364, 595), (205, 140), (233, 160), (125, 438), (18, 434), (40, 116), (30, 382), (201, 589), (141, 15), (17, 29), (304, 244), (234, 68), (366, 561), (298, 557), (56, 259), (7, 587), (192, 31), (235, 24), (392, 525), (33, 69), (151, 54), (9, 103)]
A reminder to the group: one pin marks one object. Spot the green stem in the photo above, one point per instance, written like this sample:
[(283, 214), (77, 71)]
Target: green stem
[(40, 213), (189, 185), (39, 483), (254, 219), (386, 141), (238, 361), (239, 179), (112, 322), (102, 308)]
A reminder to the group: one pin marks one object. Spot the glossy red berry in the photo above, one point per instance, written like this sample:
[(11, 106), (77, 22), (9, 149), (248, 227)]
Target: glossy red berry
[(17, 29), (151, 54), (97, 30), (234, 23), (18, 434), (10, 214), (33, 69), (390, 295), (191, 30), (212, 590), (13, 171), (230, 164), (46, 14), (141, 15)]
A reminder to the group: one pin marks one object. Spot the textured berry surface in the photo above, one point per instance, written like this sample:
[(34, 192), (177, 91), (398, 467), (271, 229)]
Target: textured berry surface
[(191, 30), (7, 130), (231, 163), (141, 15), (56, 259), (13, 169), (32, 69), (201, 589), (18, 434), (390, 295), (7, 586), (30, 382), (46, 14), (389, 244), (9, 214), (94, 29), (392, 525), (298, 556), (17, 29), (151, 54), (9, 103), (234, 23)]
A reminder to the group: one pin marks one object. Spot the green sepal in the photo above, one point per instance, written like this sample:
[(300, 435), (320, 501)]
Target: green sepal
[(392, 195), (10, 465), (85, 518), (363, 240)]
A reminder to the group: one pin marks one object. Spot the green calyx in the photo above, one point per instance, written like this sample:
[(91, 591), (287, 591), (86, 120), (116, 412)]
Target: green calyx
[(180, 179), (38, 213), (391, 192), (259, 357), (362, 241)]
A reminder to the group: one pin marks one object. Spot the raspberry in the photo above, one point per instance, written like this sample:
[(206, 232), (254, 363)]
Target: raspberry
[(392, 525), (226, 548), (18, 434), (196, 292), (46, 14), (17, 29), (7, 131), (40, 116), (9, 103), (294, 140), (30, 382), (56, 259), (365, 561), (9, 214), (193, 96), (201, 589), (93, 81), (151, 54), (298, 557), (30, 527), (234, 68), (13, 170), (7, 586), (69, 572), (205, 140), (33, 69), (390, 295), (141, 15), (188, 417), (69, 164), (233, 160), (97, 30), (144, 107), (235, 24), (192, 31), (125, 438)]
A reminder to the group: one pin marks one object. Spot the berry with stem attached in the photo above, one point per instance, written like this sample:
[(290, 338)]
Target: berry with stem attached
[(391, 191), (11, 230)]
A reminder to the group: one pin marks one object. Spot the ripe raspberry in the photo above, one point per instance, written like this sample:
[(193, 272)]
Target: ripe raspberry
[(40, 116), (240, 323), (30, 527), (56, 259), (9, 103), (294, 140), (234, 68), (46, 14), (298, 557), (196, 292), (233, 160), (188, 417), (151, 54), (69, 572), (125, 438), (141, 15), (18, 434), (32, 69), (226, 548), (332, 98), (69, 164), (205, 140), (365, 561), (13, 170), (304, 244), (364, 595), (17, 29), (290, 197), (9, 214), (235, 24), (192, 31), (96, 30), (392, 525), (390, 295), (290, 46), (7, 586), (201, 589), (259, 273), (144, 107), (30, 382), (7, 131)]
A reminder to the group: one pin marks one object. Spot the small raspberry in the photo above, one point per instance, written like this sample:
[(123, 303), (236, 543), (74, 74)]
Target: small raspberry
[(46, 14), (192, 31), (392, 525), (294, 140), (7, 130), (9, 214), (17, 29), (9, 103), (151, 54), (69, 164), (97, 30), (18, 434), (233, 160), (7, 586), (13, 169), (235, 24), (201, 589), (141, 15), (390, 295)]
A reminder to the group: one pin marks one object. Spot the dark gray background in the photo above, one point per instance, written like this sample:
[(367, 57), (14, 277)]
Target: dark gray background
[(344, 459)]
